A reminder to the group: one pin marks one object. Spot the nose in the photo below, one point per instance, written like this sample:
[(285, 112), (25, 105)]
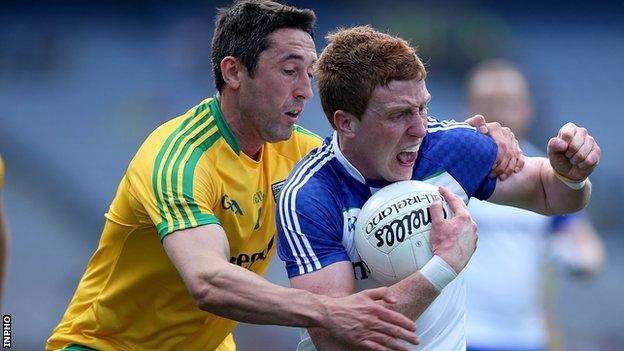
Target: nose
[(418, 127), (303, 89)]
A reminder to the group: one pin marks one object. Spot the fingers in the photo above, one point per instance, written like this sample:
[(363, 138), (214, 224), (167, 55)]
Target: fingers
[(384, 344), (389, 331), (398, 321), (437, 214), (578, 140), (592, 159), (478, 121), (455, 202), (508, 151), (557, 145), (582, 152), (566, 133), (382, 293), (386, 314), (520, 159), (573, 151)]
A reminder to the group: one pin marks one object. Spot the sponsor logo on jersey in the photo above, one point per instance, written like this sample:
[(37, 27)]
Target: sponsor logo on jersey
[(276, 188), (258, 197), (231, 204), (246, 260)]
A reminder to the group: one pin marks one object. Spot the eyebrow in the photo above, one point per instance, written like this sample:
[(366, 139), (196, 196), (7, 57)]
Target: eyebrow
[(403, 105), (293, 56)]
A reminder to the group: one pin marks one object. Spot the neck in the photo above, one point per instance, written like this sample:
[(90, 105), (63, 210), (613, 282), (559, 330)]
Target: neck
[(250, 143), (350, 152)]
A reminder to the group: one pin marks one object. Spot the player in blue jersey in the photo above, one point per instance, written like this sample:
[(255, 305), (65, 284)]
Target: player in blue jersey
[(373, 91)]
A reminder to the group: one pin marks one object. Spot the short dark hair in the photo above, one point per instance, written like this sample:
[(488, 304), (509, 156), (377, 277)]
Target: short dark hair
[(355, 62), (242, 31)]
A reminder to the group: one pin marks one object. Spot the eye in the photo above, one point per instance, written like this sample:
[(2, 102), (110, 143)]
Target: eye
[(290, 72), (399, 115)]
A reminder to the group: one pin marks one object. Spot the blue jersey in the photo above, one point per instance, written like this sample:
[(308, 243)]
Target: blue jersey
[(320, 202)]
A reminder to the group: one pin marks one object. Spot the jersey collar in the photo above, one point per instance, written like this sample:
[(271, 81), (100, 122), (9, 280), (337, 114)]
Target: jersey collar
[(350, 168), (224, 127)]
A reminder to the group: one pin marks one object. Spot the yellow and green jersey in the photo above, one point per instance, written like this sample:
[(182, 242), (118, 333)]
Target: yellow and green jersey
[(189, 172), (1, 172)]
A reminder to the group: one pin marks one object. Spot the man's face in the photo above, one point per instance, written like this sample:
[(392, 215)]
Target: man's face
[(271, 101), (386, 141), (502, 96)]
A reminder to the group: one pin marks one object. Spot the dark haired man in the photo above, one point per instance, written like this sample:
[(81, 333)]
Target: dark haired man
[(192, 227)]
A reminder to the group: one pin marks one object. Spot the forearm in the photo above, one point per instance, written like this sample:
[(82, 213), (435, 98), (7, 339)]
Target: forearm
[(560, 198), (537, 188), (323, 341), (414, 295), (236, 293)]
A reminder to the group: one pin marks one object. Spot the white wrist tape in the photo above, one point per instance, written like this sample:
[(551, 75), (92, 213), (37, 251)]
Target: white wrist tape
[(574, 184), (438, 272)]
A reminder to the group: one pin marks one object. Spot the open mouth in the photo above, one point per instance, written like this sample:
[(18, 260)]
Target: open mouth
[(294, 113), (408, 156)]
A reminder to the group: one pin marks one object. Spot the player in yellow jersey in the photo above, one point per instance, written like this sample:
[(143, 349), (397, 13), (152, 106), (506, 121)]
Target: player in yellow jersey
[(191, 228), (3, 236)]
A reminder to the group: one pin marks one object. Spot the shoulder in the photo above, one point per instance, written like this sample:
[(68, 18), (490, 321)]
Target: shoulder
[(452, 133), (459, 150), (453, 141), (177, 140), (313, 178)]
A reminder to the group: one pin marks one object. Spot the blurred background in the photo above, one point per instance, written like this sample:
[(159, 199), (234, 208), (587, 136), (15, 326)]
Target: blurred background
[(82, 83)]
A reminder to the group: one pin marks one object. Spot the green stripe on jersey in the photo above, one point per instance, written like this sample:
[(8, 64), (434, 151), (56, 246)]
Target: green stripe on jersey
[(300, 129), (161, 178), (161, 154), (433, 175), (76, 347), (204, 125), (224, 127), (205, 218), (189, 172)]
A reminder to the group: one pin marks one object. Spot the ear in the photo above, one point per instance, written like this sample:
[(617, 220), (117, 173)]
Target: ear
[(231, 71), (346, 123)]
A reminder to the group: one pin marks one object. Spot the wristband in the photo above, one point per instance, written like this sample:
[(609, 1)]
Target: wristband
[(438, 272), (573, 184)]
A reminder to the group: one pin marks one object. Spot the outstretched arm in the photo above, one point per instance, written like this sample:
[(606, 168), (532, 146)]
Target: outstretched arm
[(558, 184), (201, 256)]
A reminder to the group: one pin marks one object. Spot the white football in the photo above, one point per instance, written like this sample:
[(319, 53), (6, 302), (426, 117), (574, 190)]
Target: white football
[(392, 229)]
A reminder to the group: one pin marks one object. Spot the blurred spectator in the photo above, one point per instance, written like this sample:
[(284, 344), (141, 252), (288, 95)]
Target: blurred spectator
[(505, 276)]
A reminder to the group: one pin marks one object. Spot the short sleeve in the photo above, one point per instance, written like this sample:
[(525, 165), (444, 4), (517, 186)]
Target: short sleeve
[(309, 228), (464, 153), (176, 196)]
